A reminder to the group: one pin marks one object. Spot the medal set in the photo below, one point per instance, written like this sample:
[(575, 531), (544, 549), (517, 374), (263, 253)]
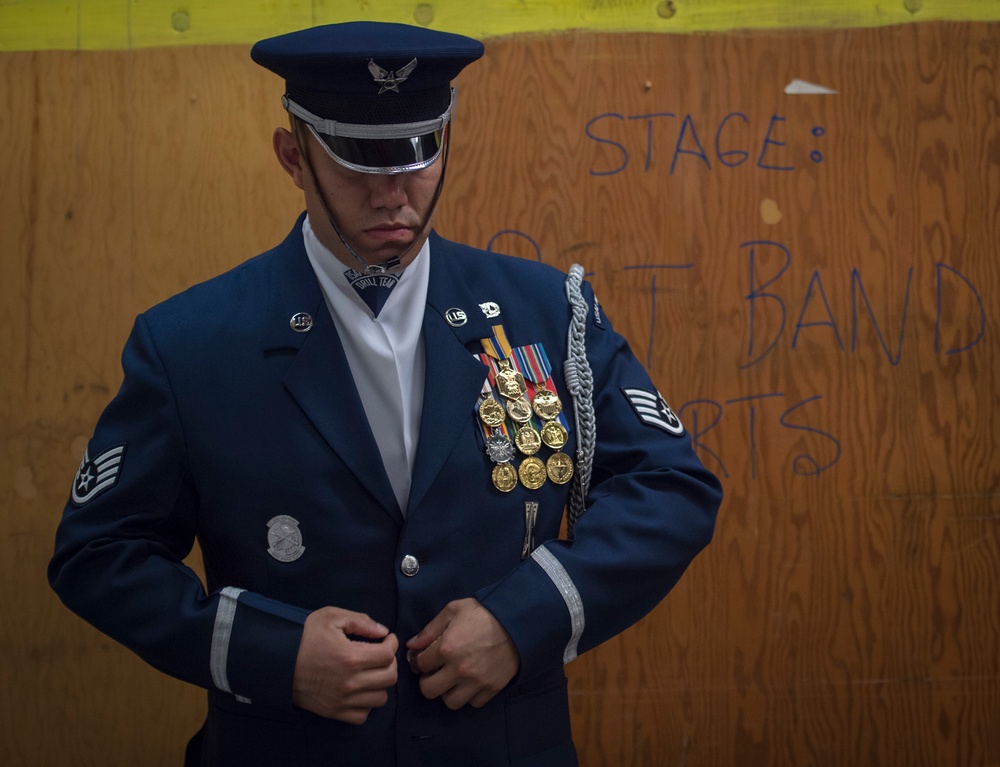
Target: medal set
[(530, 410)]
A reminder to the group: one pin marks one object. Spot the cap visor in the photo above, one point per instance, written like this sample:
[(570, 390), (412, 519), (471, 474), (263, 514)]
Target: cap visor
[(383, 155)]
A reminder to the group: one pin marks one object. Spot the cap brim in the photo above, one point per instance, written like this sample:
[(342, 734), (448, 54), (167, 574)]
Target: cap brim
[(384, 155), (400, 147)]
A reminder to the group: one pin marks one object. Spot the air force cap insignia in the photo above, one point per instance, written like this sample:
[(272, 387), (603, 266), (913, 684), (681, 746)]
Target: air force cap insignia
[(97, 475), (390, 81), (653, 410)]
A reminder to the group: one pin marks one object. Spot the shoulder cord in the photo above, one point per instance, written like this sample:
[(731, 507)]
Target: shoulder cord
[(580, 382)]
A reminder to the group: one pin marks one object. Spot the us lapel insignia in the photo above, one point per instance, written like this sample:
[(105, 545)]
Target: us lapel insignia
[(284, 538), (301, 322), (456, 317)]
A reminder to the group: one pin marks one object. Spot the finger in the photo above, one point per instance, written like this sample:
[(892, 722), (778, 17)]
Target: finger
[(411, 658), (482, 697), (425, 662), (372, 656), (431, 632), (351, 715), (428, 661), (367, 690), (458, 695), (438, 683), (373, 677), (468, 692), (360, 625), (390, 643), (371, 698)]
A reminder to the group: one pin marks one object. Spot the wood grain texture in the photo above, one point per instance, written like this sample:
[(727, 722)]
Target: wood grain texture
[(812, 281)]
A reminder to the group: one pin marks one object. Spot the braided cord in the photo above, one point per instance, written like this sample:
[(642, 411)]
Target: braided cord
[(580, 382)]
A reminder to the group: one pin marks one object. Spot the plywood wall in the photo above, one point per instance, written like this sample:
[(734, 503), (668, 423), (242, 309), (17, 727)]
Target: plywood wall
[(811, 279)]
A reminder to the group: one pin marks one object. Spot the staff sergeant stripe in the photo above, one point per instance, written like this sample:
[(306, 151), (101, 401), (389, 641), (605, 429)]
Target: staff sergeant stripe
[(95, 476), (554, 569), (652, 409)]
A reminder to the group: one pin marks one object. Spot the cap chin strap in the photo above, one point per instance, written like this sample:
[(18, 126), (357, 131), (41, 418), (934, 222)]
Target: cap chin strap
[(394, 264)]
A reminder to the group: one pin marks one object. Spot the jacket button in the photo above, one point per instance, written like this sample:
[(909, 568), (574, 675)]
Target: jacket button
[(409, 566)]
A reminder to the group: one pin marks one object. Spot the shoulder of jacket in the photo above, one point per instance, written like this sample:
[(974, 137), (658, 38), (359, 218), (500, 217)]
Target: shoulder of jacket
[(243, 283)]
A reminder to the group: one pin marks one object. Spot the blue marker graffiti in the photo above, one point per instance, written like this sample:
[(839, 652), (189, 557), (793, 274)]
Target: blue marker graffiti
[(652, 303), (732, 147), (825, 449), (767, 307)]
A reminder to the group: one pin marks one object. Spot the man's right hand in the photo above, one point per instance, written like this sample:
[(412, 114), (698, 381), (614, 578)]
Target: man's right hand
[(338, 677)]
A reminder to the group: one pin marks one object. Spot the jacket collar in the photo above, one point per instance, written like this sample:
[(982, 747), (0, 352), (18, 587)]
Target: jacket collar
[(320, 381), (449, 290), (454, 376), (319, 377)]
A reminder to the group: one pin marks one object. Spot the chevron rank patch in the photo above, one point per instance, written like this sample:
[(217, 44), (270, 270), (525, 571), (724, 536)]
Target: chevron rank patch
[(653, 410), (96, 475)]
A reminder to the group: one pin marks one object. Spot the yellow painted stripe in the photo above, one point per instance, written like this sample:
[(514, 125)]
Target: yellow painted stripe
[(129, 24)]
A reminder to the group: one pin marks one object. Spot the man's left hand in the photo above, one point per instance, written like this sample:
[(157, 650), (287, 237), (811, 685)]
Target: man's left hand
[(463, 655)]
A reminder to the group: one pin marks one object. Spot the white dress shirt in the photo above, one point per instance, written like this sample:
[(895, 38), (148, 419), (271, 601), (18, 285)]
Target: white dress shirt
[(386, 354)]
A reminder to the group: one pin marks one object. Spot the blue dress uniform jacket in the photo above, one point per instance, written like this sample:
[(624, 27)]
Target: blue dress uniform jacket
[(228, 419)]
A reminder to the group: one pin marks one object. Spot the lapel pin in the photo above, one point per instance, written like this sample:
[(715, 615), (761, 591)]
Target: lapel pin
[(455, 317), (301, 322)]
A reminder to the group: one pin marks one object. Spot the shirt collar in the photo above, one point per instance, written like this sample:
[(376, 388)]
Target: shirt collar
[(331, 272)]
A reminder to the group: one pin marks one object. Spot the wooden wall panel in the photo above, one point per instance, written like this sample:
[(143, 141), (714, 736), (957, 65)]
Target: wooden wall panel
[(812, 281)]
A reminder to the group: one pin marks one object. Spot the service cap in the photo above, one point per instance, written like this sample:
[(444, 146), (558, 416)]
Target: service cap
[(377, 95)]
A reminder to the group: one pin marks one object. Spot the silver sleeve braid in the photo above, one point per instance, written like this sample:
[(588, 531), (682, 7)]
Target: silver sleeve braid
[(580, 382)]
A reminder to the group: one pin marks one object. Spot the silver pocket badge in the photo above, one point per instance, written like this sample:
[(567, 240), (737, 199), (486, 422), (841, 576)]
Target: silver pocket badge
[(284, 538)]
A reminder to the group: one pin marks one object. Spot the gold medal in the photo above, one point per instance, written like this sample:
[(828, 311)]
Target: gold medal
[(547, 404), (510, 383), (519, 409), (528, 440), (554, 435), (559, 468), (504, 477), (532, 473), (491, 412)]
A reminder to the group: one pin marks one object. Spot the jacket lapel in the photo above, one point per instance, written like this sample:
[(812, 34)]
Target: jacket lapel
[(454, 377), (319, 378)]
